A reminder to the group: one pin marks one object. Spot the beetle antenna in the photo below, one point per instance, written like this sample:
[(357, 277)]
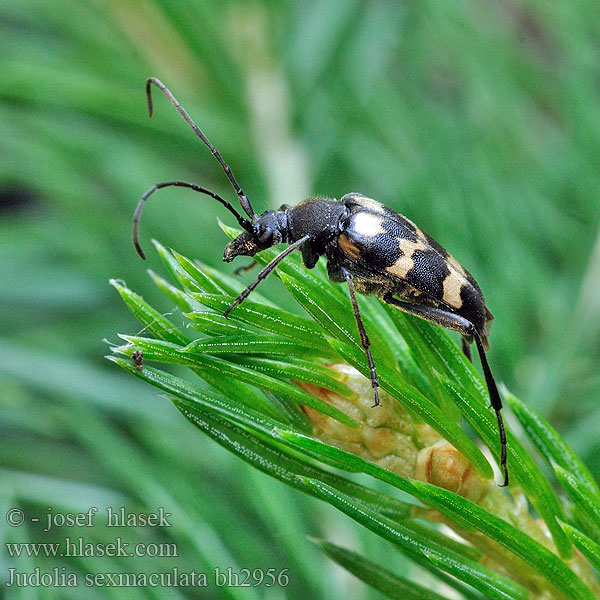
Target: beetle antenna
[(244, 201), (192, 186)]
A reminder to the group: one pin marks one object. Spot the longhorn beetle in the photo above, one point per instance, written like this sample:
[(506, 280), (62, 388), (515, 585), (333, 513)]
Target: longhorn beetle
[(367, 245)]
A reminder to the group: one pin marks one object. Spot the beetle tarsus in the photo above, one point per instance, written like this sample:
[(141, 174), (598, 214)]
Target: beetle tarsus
[(376, 393)]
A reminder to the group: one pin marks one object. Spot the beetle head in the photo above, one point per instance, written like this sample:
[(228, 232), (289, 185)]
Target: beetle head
[(269, 229)]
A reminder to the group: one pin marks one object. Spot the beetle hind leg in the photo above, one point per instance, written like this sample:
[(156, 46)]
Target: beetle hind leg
[(467, 330)]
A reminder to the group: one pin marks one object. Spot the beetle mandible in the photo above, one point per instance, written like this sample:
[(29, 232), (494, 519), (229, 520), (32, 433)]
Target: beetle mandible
[(370, 247)]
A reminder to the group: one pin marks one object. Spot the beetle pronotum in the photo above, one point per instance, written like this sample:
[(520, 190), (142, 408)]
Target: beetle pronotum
[(370, 247)]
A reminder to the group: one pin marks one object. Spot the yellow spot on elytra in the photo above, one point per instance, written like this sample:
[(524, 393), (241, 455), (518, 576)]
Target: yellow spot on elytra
[(348, 247), (452, 286), (405, 262), (369, 203), (367, 224), (454, 263)]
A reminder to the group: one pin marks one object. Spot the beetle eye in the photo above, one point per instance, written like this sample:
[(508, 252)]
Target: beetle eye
[(265, 236)]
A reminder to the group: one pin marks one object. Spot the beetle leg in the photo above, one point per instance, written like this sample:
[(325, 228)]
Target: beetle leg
[(467, 329), (364, 338), (309, 256), (466, 348), (245, 268), (265, 272)]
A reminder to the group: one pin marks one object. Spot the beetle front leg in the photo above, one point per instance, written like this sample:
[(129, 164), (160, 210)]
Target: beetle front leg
[(309, 256), (466, 329), (364, 338), (264, 273), (245, 268)]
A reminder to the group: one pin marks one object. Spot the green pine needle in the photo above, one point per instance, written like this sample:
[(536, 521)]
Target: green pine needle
[(271, 396)]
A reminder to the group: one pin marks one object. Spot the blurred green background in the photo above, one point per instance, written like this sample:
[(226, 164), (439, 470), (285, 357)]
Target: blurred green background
[(480, 121)]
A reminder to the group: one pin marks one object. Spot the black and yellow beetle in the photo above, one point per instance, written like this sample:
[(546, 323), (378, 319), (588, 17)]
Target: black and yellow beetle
[(367, 245)]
